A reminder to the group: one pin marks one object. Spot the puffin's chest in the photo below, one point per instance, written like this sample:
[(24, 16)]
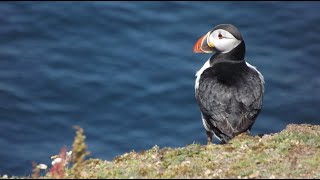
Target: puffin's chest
[(244, 86), (227, 80)]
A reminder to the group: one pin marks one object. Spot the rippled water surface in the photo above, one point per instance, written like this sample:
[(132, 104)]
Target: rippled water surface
[(124, 71)]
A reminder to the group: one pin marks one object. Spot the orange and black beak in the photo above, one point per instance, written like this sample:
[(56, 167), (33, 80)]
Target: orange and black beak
[(203, 45)]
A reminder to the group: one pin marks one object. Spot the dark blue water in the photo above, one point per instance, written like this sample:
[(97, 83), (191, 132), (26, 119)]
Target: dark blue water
[(125, 71)]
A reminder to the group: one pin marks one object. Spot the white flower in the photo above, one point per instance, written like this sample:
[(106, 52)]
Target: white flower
[(55, 156), (68, 157), (69, 153), (42, 166), (5, 176), (56, 160)]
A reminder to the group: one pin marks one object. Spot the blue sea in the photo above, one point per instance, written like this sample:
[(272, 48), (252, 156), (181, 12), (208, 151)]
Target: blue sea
[(125, 73)]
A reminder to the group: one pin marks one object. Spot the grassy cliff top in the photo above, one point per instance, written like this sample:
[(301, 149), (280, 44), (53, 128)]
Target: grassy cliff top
[(291, 153)]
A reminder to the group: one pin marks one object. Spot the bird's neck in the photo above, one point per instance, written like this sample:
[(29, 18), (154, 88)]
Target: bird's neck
[(237, 54), (228, 67)]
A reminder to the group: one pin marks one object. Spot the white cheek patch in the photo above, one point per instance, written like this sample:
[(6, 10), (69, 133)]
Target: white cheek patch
[(225, 44)]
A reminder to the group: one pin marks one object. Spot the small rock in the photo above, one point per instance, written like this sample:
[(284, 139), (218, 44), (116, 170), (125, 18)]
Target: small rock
[(84, 174), (266, 135), (158, 163), (254, 175), (207, 172), (134, 155), (215, 174), (154, 156), (185, 162), (308, 153), (125, 155), (272, 177), (244, 146)]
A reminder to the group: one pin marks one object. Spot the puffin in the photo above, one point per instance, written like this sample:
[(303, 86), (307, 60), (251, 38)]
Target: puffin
[(228, 90)]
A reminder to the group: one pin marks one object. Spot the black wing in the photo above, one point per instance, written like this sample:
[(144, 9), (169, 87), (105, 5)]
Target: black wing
[(231, 108)]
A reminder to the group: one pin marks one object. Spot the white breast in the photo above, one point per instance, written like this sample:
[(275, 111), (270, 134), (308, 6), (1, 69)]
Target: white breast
[(198, 74)]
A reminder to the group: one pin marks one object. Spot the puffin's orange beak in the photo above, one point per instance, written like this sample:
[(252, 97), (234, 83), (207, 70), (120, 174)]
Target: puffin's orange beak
[(202, 46)]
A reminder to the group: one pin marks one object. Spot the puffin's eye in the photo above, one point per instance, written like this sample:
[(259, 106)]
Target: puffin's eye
[(220, 36)]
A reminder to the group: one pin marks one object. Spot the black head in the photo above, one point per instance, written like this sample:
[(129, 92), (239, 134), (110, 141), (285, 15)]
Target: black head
[(225, 40), (231, 29)]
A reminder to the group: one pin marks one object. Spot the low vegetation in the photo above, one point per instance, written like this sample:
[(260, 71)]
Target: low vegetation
[(291, 153)]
